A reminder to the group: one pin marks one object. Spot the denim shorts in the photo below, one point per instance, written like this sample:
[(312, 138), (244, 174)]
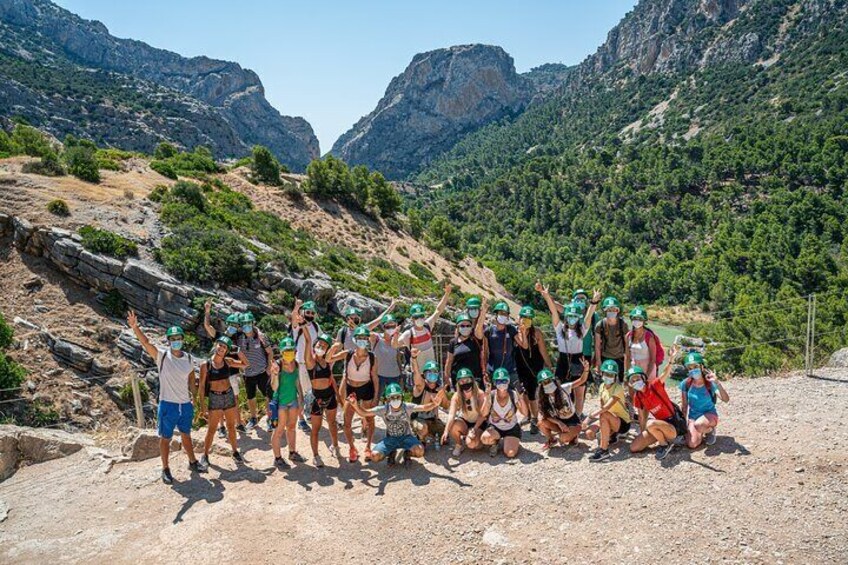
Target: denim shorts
[(391, 443), (173, 415)]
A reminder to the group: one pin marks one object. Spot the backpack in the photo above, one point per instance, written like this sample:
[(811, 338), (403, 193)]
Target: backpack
[(658, 346)]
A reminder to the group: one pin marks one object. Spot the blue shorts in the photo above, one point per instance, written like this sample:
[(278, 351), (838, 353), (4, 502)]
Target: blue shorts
[(391, 443), (173, 415)]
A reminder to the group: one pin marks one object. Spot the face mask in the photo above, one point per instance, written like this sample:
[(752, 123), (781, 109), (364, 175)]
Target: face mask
[(526, 322), (465, 331), (395, 403), (231, 330), (431, 377), (354, 321), (362, 343), (638, 323), (176, 345), (391, 331), (465, 386), (288, 356), (503, 320), (473, 313), (502, 385), (638, 386), (572, 320), (609, 380), (309, 317), (419, 322), (247, 329), (612, 315), (549, 388), (695, 374), (320, 351)]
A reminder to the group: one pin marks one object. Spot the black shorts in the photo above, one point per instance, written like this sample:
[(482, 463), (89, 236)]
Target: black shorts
[(325, 399), (514, 431), (623, 428), (222, 400), (574, 420), (257, 382), (568, 367), (528, 381), (364, 392)]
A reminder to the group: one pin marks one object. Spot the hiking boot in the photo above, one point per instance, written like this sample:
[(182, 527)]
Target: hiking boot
[(281, 463), (664, 450), (167, 478), (317, 461), (237, 456), (534, 428), (222, 432), (304, 426), (710, 438), (400, 456), (251, 423), (600, 455), (241, 428)]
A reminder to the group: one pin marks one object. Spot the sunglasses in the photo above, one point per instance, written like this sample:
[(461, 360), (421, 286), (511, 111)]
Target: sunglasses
[(464, 382), (391, 398)]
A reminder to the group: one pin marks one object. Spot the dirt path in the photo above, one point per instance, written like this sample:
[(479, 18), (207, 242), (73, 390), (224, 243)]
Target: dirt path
[(773, 489)]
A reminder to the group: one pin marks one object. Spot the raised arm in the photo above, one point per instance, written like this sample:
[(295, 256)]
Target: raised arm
[(239, 363), (207, 323), (132, 321), (308, 357), (593, 306), (672, 353), (712, 379), (584, 376), (376, 321), (550, 302), (417, 378), (481, 320), (440, 307)]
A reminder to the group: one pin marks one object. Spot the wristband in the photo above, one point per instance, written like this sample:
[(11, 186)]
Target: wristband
[(595, 302)]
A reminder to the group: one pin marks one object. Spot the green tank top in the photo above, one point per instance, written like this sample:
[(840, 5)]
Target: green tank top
[(286, 392)]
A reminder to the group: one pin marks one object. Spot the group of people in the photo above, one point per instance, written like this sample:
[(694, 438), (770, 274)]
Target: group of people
[(497, 375)]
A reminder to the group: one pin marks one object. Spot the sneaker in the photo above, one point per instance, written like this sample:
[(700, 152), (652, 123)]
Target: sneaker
[(317, 461), (199, 466), (679, 440), (269, 426), (493, 451), (457, 450), (334, 451), (600, 455), (241, 428), (390, 460), (534, 428), (710, 438), (281, 463), (304, 426), (614, 438), (237, 456), (222, 432), (296, 457), (400, 456), (167, 478), (664, 450), (251, 423)]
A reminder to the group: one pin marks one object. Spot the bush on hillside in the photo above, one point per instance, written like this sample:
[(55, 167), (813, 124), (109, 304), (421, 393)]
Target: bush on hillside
[(165, 150), (164, 168), (205, 256), (11, 373), (49, 166), (7, 333), (58, 207), (82, 164), (265, 167), (27, 140), (97, 240), (331, 178)]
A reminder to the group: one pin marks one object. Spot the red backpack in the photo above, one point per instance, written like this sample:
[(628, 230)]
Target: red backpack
[(658, 346)]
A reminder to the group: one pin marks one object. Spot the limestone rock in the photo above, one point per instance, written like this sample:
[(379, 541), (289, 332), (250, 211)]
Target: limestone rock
[(344, 299), (69, 354), (839, 358), (9, 453), (145, 445), (39, 445)]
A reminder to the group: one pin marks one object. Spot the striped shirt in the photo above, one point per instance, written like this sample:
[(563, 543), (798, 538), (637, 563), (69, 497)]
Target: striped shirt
[(254, 350)]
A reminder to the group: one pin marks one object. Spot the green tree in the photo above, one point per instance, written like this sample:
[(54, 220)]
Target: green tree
[(265, 166), (165, 150), (82, 164), (416, 224), (384, 196)]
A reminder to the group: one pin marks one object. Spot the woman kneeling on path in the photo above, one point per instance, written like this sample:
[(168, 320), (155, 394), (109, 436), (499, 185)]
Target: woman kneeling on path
[(558, 418), (399, 441), (698, 400), (660, 419), (503, 411), (326, 398), (614, 419), (427, 387), (287, 392), (464, 412), (215, 376)]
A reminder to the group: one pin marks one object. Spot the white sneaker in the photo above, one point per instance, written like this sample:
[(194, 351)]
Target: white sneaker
[(334, 452)]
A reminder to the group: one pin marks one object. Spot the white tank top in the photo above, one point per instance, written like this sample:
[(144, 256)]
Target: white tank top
[(503, 417), (359, 375), (468, 415), (569, 340), (639, 350)]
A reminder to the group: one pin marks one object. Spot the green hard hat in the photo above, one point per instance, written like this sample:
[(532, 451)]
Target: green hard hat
[(361, 331), (464, 374), (393, 389), (544, 375), (226, 341), (610, 302), (635, 370), (578, 292), (571, 310), (501, 307), (693, 358), (352, 311), (173, 331), (500, 374), (287, 344), (308, 306), (388, 319), (430, 366), (638, 313), (473, 302), (326, 338), (247, 318), (527, 312), (416, 311), (609, 366), (462, 317), (234, 319)]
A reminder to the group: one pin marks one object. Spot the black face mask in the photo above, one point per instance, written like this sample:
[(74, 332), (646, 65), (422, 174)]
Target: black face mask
[(466, 386), (309, 317)]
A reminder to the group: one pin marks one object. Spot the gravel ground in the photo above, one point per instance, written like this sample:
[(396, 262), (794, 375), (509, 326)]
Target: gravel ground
[(773, 489)]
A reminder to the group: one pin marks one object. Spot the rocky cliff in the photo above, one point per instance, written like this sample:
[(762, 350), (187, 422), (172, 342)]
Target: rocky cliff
[(195, 99), (440, 97)]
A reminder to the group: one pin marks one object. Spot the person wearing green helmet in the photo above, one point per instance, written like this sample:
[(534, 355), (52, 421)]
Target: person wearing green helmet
[(388, 356), (304, 321), (472, 307), (400, 441), (572, 325), (531, 356), (353, 319), (360, 382), (502, 412), (610, 335), (500, 342), (215, 375), (326, 398), (420, 334), (700, 391), (641, 344), (176, 391), (559, 420), (613, 417), (257, 350), (660, 420), (427, 384), (285, 383), (464, 413), (231, 330), (465, 350)]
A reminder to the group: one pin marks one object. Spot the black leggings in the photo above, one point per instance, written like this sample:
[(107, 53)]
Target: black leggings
[(261, 382)]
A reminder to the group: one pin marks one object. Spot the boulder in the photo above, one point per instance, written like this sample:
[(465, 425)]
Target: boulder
[(839, 358), (102, 263), (39, 445), (69, 354), (6, 226), (146, 275), (23, 232), (269, 278), (94, 277), (100, 368), (9, 453), (137, 296), (144, 445), (343, 300)]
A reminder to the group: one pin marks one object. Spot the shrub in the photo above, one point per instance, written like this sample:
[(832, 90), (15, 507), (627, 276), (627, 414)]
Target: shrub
[(165, 151), (158, 193), (30, 141), (274, 326), (189, 193), (97, 240), (126, 392), (164, 168), (421, 272), (114, 304), (280, 299), (416, 224), (265, 167), (48, 166), (204, 255), (243, 162), (11, 373), (7, 334), (383, 195), (58, 207), (82, 164)]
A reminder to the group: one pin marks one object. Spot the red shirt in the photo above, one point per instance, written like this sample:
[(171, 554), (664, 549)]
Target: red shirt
[(655, 400)]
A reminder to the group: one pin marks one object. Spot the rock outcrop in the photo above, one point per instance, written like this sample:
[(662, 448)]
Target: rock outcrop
[(32, 445), (198, 100), (440, 97)]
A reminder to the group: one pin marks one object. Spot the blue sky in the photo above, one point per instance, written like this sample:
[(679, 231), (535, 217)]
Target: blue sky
[(330, 61)]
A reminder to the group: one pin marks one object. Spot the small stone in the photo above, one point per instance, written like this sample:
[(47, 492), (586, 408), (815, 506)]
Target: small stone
[(799, 469)]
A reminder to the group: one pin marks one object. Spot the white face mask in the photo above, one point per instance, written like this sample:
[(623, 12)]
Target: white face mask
[(391, 331), (638, 386), (362, 343), (502, 386), (465, 332), (609, 380), (395, 404), (549, 388), (638, 323), (419, 322), (320, 351), (612, 315), (572, 320), (473, 313), (503, 320)]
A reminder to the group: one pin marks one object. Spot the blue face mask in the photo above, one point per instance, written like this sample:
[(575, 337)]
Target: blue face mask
[(432, 377), (231, 330), (247, 328), (695, 374), (572, 320), (473, 313), (176, 345), (612, 315), (362, 343)]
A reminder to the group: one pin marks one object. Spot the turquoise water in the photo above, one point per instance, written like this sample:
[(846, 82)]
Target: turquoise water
[(666, 334)]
